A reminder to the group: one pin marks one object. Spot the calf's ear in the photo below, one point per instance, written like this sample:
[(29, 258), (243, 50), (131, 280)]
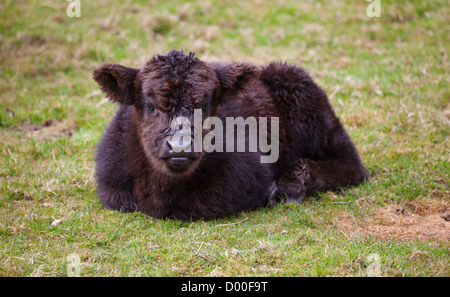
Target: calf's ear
[(236, 76), (117, 82)]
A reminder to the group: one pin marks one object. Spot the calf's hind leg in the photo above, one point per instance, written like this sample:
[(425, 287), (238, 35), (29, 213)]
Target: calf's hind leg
[(305, 177)]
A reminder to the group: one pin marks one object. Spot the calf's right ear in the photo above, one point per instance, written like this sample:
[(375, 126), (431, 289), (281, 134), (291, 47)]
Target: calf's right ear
[(117, 82)]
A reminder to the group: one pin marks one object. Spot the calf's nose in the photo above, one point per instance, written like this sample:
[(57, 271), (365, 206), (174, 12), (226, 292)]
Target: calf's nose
[(178, 146)]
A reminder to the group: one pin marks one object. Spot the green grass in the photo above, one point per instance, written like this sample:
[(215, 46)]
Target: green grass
[(389, 77)]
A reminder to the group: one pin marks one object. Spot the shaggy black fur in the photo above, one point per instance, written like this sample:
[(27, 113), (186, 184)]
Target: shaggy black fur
[(133, 172)]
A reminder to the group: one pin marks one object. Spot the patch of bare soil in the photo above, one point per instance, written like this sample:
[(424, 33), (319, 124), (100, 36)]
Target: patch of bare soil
[(50, 129), (423, 220)]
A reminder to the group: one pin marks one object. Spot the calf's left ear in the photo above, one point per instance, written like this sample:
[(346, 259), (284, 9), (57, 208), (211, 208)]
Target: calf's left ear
[(117, 82), (236, 76)]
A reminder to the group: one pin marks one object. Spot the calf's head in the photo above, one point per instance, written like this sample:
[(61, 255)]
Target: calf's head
[(166, 92)]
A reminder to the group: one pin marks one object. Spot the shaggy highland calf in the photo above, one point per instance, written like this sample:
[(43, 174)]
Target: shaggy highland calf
[(142, 167)]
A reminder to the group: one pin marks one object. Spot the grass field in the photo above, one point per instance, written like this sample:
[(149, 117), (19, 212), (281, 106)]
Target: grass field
[(388, 80)]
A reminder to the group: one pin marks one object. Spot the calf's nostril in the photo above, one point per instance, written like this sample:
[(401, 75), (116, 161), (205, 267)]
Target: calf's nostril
[(169, 145)]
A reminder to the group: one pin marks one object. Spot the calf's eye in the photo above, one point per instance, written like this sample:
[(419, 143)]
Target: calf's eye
[(150, 108)]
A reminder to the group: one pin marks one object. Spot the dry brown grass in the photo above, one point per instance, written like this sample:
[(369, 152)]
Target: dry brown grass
[(420, 219)]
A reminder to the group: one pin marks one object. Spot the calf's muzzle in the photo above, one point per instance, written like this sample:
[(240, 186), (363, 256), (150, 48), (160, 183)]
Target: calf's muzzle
[(178, 154)]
